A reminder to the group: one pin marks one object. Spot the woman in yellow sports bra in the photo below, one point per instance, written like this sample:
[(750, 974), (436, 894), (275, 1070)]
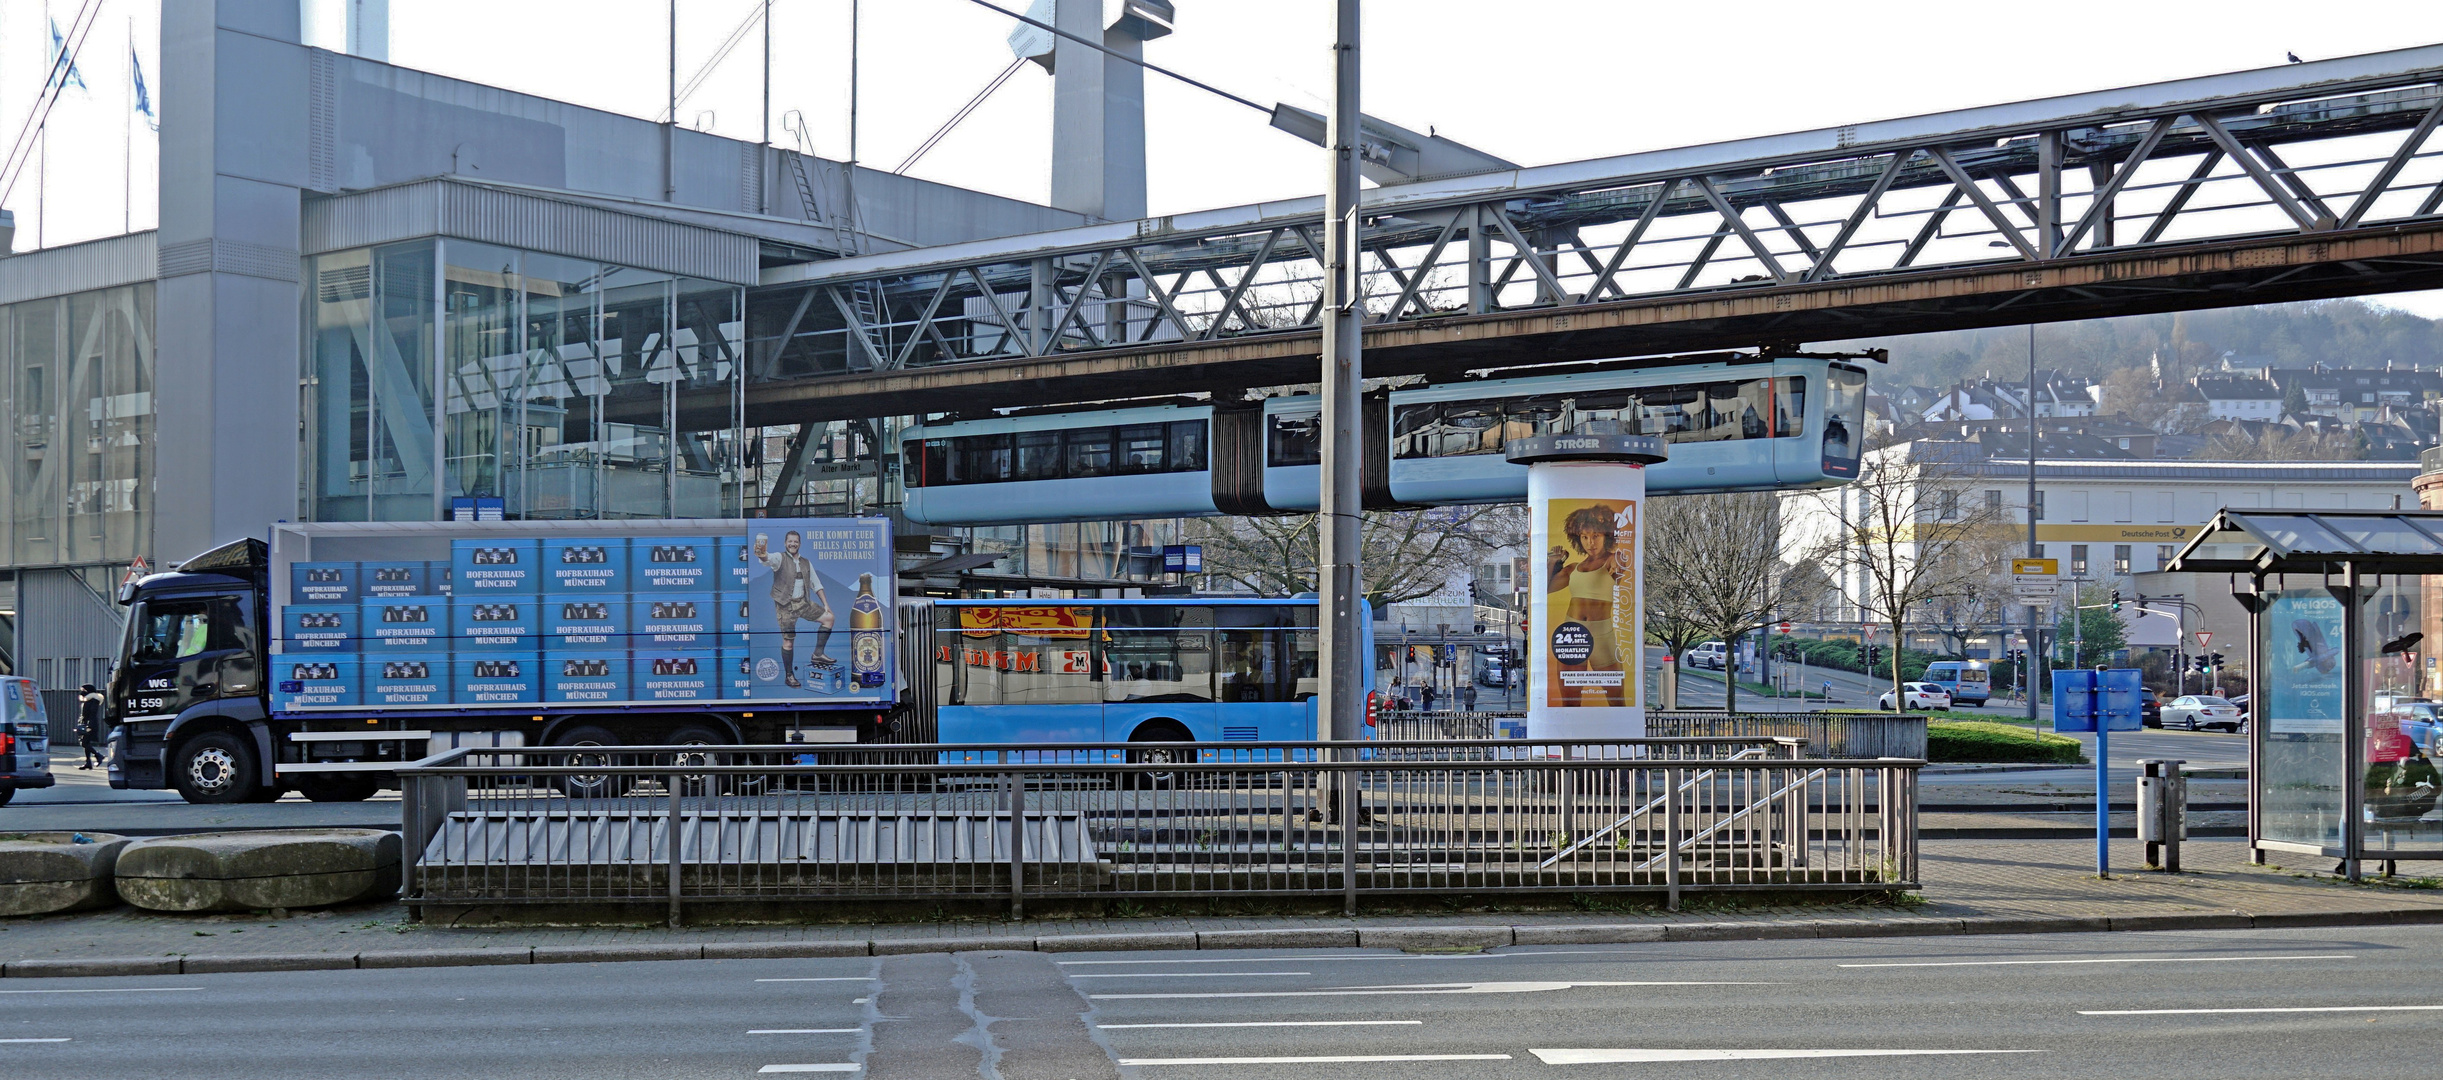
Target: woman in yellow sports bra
[(1590, 575)]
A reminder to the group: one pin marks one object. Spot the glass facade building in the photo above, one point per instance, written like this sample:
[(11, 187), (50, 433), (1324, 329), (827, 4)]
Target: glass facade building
[(440, 368), (80, 427)]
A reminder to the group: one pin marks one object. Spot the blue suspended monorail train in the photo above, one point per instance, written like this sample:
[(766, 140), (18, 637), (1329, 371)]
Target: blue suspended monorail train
[(1735, 424)]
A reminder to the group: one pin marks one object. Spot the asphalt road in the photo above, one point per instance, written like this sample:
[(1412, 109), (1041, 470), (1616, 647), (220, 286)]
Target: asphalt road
[(83, 799), (2356, 1002)]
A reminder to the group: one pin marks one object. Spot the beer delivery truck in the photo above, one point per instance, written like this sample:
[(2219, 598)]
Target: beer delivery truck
[(320, 659)]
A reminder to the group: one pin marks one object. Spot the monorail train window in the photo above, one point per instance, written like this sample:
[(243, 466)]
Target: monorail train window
[(1141, 447), (1790, 408), (1187, 446), (983, 459), (1294, 440), (1038, 455), (1088, 453)]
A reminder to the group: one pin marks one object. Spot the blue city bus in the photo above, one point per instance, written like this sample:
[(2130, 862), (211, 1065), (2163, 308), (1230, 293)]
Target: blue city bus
[(1163, 670)]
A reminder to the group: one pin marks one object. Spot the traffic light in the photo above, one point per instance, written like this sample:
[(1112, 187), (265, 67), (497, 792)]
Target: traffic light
[(2218, 661), (2116, 599)]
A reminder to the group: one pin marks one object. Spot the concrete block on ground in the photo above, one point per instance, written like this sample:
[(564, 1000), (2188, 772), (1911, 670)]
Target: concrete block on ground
[(416, 958), (1304, 938), (1433, 937), (976, 943), (215, 965), (46, 872), (1737, 931), (785, 950), (1909, 927), (1174, 939), (2203, 920), (99, 965), (2062, 924), (250, 871), (604, 954), (1603, 934)]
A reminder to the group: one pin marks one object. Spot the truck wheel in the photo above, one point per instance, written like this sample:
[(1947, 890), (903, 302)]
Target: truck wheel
[(697, 735), (337, 787), (216, 767), (593, 785)]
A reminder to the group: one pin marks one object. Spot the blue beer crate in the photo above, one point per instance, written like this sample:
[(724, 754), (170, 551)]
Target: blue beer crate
[(496, 679), (496, 623), (319, 627), (302, 682), (586, 676), (415, 623), (495, 567), (661, 564), (579, 622), (597, 566), (421, 680)]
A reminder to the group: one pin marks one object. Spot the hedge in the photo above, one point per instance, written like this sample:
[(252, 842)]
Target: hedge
[(1979, 740), (1843, 656)]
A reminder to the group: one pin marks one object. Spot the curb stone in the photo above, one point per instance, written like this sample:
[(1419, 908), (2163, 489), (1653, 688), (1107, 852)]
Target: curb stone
[(1318, 938), (1435, 937), (1615, 934), (221, 965), (1176, 939), (419, 958), (785, 950), (1299, 938), (597, 954)]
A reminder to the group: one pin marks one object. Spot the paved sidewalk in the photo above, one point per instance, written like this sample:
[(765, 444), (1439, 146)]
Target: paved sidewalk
[(1969, 886)]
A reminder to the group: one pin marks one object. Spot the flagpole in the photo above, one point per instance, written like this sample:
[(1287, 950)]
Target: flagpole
[(127, 140)]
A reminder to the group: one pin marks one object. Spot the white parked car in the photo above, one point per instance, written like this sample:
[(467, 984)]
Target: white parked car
[(1917, 695), (2201, 711), (1711, 654)]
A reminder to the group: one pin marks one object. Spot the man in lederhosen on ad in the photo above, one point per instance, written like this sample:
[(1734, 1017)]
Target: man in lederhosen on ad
[(797, 594)]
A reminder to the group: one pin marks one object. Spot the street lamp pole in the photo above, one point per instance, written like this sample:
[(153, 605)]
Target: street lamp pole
[(2033, 551), (1344, 706)]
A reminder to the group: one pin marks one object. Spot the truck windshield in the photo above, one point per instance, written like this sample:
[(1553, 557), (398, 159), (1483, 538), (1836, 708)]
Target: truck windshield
[(171, 630)]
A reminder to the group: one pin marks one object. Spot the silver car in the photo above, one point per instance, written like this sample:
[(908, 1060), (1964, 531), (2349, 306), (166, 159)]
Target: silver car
[(2201, 711)]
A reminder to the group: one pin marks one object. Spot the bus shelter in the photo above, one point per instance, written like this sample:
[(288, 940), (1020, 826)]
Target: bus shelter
[(2338, 756)]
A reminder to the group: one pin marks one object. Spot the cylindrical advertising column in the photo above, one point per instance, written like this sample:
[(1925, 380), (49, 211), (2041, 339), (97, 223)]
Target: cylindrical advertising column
[(1586, 631)]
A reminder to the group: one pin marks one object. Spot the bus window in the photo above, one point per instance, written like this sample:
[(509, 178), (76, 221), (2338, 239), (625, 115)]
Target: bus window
[(1250, 666), (1157, 653)]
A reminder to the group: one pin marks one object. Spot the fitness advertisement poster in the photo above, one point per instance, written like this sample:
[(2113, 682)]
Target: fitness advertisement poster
[(1590, 604)]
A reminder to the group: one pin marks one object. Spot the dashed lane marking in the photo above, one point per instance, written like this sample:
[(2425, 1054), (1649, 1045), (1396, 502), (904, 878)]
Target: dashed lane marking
[(1313, 1060), (1648, 1056), (2101, 960), (1430, 988), (1269, 1023)]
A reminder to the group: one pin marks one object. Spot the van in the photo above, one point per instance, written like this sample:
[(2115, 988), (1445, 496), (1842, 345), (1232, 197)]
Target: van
[(1969, 682), (1712, 654), (25, 738)]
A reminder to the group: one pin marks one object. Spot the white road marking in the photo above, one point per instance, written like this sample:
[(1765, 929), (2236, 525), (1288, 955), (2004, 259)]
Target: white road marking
[(2299, 1009), (1629, 1057), (58, 1040), (1428, 988), (2105, 960), (1188, 974), (1302, 959), (826, 978), (1269, 1023), (826, 1066), (859, 1001), (803, 1031), (109, 990), (1312, 1060)]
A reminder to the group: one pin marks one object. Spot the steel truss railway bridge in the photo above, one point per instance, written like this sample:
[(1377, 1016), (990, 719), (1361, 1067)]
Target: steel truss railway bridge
[(2299, 182)]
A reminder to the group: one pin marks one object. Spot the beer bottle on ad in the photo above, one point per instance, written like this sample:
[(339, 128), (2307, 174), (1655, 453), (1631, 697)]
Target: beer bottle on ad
[(865, 634)]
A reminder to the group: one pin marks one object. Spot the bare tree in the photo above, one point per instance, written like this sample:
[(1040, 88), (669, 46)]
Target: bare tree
[(1714, 568), (1408, 553), (1908, 533)]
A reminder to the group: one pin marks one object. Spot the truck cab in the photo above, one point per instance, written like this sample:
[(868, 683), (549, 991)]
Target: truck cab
[(186, 702)]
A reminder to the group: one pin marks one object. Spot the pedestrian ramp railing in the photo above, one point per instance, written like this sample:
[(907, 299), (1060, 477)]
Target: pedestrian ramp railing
[(696, 824)]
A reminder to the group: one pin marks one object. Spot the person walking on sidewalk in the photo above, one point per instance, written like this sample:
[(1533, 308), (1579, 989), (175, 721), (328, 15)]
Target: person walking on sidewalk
[(89, 724)]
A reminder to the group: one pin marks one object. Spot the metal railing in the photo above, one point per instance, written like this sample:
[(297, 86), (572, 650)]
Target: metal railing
[(1836, 735), (631, 825)]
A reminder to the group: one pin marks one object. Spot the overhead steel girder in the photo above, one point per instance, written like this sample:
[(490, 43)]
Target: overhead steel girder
[(1839, 211), (2256, 270)]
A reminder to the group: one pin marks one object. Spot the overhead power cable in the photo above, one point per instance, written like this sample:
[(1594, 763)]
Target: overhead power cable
[(1099, 47), (972, 103), (22, 151)]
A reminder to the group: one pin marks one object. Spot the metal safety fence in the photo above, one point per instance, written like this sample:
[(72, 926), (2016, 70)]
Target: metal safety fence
[(1826, 734), (681, 825)]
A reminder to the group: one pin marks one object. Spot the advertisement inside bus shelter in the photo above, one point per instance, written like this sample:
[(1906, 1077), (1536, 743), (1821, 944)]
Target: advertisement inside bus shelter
[(2302, 694), (1590, 601)]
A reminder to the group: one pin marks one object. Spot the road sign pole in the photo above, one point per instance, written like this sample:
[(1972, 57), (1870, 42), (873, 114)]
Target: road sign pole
[(2103, 791)]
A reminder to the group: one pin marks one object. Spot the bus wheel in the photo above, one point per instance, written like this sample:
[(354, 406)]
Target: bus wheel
[(216, 767), (1159, 731), (589, 785)]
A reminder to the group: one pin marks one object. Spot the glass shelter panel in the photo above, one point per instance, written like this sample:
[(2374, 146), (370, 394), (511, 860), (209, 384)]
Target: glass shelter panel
[(2301, 706)]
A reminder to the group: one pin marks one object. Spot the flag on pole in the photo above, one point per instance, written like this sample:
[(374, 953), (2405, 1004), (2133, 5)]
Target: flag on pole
[(144, 97), (59, 47)]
